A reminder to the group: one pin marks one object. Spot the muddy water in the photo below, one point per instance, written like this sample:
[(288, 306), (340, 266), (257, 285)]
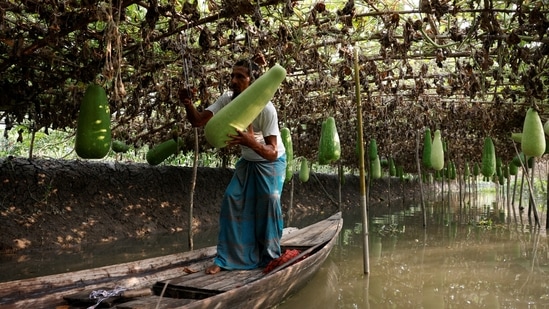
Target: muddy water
[(465, 258), (472, 256), (33, 264)]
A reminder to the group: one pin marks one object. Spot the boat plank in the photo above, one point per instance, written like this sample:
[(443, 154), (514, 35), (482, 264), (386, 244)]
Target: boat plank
[(112, 273), (152, 302), (239, 279), (196, 277), (312, 235), (83, 297)]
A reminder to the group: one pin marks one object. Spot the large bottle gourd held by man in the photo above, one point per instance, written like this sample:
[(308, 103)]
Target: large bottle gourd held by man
[(242, 110)]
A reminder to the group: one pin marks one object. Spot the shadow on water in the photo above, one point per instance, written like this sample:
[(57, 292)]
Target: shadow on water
[(468, 257)]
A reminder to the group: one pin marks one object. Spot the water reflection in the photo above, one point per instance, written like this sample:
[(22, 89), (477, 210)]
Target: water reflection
[(467, 257)]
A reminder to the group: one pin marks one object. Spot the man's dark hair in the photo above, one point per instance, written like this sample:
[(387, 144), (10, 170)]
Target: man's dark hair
[(253, 69)]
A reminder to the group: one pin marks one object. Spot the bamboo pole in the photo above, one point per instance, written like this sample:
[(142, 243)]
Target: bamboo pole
[(291, 206), (339, 184), (513, 198), (532, 205), (193, 185), (508, 196), (418, 161), (366, 260)]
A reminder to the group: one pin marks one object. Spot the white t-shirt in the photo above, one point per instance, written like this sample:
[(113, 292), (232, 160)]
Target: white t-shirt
[(265, 124)]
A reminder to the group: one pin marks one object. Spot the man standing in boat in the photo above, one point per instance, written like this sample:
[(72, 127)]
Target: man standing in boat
[(250, 221)]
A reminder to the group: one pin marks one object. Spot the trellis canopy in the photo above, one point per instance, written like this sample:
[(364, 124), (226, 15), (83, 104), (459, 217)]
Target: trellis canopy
[(468, 68)]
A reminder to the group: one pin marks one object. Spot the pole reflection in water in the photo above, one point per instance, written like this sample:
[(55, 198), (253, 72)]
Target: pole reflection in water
[(467, 257)]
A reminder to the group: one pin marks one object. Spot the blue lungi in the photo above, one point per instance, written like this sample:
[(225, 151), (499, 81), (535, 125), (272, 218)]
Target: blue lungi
[(251, 223)]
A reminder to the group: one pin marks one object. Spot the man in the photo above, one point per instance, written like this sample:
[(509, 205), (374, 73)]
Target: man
[(250, 224)]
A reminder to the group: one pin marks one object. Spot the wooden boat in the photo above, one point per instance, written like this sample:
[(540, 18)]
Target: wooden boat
[(179, 280)]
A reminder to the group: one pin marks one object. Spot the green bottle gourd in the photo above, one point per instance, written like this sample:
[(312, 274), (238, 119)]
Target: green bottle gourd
[(304, 170), (322, 151), (333, 142), (437, 152), (513, 169), (286, 136), (519, 160), (93, 131), (467, 170), (505, 170), (533, 136), (476, 169), (162, 151), (375, 168), (329, 146), (400, 172), (242, 110), (453, 172), (488, 163), (392, 168), (119, 146)]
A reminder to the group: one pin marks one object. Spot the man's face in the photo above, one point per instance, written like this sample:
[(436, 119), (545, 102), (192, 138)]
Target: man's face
[(240, 80)]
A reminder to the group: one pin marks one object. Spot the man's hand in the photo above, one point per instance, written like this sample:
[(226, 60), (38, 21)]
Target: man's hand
[(245, 138), (186, 94)]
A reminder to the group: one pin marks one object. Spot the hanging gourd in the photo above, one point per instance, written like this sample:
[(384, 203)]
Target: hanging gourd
[(242, 110), (488, 163), (304, 170), (533, 135), (437, 152), (476, 170), (505, 170), (467, 170), (286, 137), (119, 146), (162, 151), (400, 172), (519, 160), (513, 169), (375, 168), (392, 167), (322, 160), (329, 145), (452, 167), (93, 131)]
